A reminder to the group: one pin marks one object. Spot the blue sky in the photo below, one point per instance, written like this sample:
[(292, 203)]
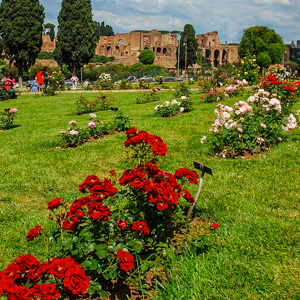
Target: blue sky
[(228, 17)]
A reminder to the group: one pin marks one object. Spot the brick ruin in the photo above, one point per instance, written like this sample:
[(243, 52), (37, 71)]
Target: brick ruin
[(126, 47)]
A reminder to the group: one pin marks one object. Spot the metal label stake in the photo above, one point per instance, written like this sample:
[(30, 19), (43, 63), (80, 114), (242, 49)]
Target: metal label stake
[(204, 170)]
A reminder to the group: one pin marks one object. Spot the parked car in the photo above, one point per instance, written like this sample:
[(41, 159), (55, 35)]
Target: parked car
[(28, 83), (147, 78), (170, 79), (131, 79), (68, 82)]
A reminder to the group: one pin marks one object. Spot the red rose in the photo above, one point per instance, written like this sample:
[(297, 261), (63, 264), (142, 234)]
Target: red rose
[(33, 233), (89, 181), (159, 148), (76, 281), (98, 211), (55, 203), (17, 292), (28, 262), (188, 196), (131, 131), (125, 260), (59, 266), (192, 176), (141, 226), (214, 226), (112, 172), (70, 224), (45, 291), (11, 272)]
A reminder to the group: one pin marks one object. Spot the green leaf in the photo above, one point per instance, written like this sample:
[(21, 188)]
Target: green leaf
[(144, 267), (101, 246), (102, 253), (137, 248), (86, 263)]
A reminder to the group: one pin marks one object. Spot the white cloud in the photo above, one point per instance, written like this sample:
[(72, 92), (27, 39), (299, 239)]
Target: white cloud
[(228, 17)]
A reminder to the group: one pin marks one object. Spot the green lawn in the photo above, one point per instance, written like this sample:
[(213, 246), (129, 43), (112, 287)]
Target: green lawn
[(254, 253)]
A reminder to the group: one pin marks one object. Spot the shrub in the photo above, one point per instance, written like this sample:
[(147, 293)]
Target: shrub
[(214, 96), (182, 90), (119, 228), (56, 83), (169, 109), (251, 126), (100, 103), (7, 118), (75, 135), (104, 82), (235, 89), (249, 70), (151, 96)]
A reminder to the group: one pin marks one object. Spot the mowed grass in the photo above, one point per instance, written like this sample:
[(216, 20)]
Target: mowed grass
[(253, 255)]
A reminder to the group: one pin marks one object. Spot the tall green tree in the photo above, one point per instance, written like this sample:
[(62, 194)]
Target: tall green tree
[(188, 47), (264, 43), (76, 41), (21, 28), (51, 30), (103, 30)]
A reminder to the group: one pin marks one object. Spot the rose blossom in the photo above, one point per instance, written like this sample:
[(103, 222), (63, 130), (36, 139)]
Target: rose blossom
[(73, 132), (93, 115), (203, 139), (72, 122), (33, 233), (91, 124)]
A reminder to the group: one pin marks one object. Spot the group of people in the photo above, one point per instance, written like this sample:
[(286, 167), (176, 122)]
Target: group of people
[(41, 81)]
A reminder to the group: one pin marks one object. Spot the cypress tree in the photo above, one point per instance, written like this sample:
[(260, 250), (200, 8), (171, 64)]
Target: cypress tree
[(188, 43), (21, 28), (76, 41)]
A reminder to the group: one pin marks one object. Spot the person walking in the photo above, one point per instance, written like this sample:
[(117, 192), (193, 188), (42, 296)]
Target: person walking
[(40, 80), (74, 80), (34, 86)]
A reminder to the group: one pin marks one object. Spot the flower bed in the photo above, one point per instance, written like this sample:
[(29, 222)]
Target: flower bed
[(119, 228), (169, 109), (75, 135), (101, 102), (151, 96), (251, 126)]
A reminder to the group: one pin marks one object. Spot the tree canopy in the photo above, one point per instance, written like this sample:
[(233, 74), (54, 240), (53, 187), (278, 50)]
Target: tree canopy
[(188, 46), (147, 57), (51, 31), (264, 43), (103, 30), (76, 41), (21, 28)]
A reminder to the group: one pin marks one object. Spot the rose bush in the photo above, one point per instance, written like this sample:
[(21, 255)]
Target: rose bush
[(101, 102), (169, 109), (75, 135), (151, 96), (56, 81), (7, 118), (251, 126), (119, 227)]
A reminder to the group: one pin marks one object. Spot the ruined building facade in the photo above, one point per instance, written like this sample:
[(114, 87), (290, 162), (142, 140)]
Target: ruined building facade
[(126, 47)]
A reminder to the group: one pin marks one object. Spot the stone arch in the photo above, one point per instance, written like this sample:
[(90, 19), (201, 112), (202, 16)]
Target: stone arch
[(146, 48), (164, 50), (153, 49), (224, 57), (207, 53), (216, 58), (108, 48), (158, 50), (117, 47)]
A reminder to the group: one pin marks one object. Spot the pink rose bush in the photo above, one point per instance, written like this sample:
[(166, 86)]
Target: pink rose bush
[(253, 125)]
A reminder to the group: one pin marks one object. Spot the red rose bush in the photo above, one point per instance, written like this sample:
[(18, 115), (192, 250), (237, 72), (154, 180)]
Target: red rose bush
[(102, 233)]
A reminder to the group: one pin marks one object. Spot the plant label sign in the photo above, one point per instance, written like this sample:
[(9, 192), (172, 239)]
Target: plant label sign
[(204, 169)]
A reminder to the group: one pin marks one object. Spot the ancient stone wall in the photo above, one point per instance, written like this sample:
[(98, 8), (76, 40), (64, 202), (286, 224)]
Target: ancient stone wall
[(126, 47), (217, 53)]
